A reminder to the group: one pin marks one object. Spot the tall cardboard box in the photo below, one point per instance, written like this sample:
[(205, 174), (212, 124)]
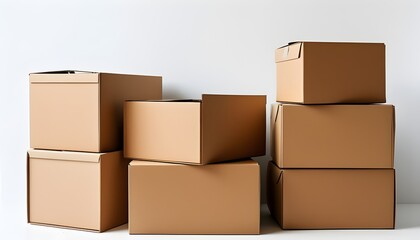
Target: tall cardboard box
[(331, 198), (333, 136), (77, 190), (327, 72), (216, 128), (83, 111), (222, 198)]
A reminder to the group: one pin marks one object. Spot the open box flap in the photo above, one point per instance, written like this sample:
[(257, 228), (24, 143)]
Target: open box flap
[(289, 52), (64, 76), (65, 155)]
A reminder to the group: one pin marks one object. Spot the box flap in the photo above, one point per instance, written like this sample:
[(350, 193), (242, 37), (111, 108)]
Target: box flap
[(64, 76), (289, 52), (65, 155), (153, 163), (166, 100)]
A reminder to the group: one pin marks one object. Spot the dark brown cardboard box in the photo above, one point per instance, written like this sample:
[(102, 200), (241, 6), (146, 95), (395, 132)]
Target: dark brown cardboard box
[(333, 136), (331, 198), (83, 111), (214, 129), (221, 198), (327, 72), (77, 190)]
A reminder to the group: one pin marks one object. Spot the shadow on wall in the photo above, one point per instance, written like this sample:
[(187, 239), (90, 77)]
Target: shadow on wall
[(172, 92)]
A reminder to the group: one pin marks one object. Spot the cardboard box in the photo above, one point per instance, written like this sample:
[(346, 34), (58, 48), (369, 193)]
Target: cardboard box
[(216, 128), (83, 111), (166, 198), (77, 190), (325, 72), (331, 198), (333, 136)]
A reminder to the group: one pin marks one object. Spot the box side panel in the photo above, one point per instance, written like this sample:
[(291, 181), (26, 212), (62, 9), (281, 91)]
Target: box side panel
[(64, 116), (114, 190), (163, 131), (290, 80), (185, 199), (344, 72), (274, 183), (326, 199), (233, 127), (64, 193), (337, 136), (273, 121), (114, 90)]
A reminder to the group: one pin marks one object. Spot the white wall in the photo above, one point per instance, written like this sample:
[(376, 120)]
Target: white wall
[(199, 47)]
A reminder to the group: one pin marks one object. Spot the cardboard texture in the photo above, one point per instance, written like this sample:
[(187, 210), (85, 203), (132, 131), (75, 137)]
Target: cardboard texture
[(326, 72), (83, 111), (77, 190), (331, 198), (216, 128), (166, 198), (332, 136)]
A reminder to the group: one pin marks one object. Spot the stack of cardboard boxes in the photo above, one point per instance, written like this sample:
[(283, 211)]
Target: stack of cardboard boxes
[(186, 187), (77, 176), (333, 144)]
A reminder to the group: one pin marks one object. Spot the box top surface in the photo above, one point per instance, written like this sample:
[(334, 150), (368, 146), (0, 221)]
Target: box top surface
[(64, 76), (67, 155), (72, 76), (150, 163), (203, 97)]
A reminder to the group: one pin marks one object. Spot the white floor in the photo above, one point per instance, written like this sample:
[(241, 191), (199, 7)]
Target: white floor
[(14, 226)]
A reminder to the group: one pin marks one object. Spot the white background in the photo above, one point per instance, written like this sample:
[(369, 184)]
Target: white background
[(214, 46)]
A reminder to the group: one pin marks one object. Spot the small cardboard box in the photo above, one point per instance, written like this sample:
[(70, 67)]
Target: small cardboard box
[(216, 128), (83, 111), (331, 198), (326, 72), (333, 136), (167, 198), (77, 190)]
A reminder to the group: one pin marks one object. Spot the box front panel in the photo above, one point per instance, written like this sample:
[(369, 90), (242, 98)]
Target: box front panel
[(162, 131), (184, 199), (326, 199), (64, 193), (64, 116), (337, 136), (290, 82)]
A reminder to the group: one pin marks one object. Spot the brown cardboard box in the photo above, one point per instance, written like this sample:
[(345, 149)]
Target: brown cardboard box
[(83, 111), (167, 198), (216, 128), (331, 198), (77, 190), (321, 72), (333, 136)]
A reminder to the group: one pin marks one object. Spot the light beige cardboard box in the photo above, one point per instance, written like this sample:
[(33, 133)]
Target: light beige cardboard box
[(331, 198), (167, 198), (327, 72), (216, 128), (333, 136), (77, 190), (83, 111)]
